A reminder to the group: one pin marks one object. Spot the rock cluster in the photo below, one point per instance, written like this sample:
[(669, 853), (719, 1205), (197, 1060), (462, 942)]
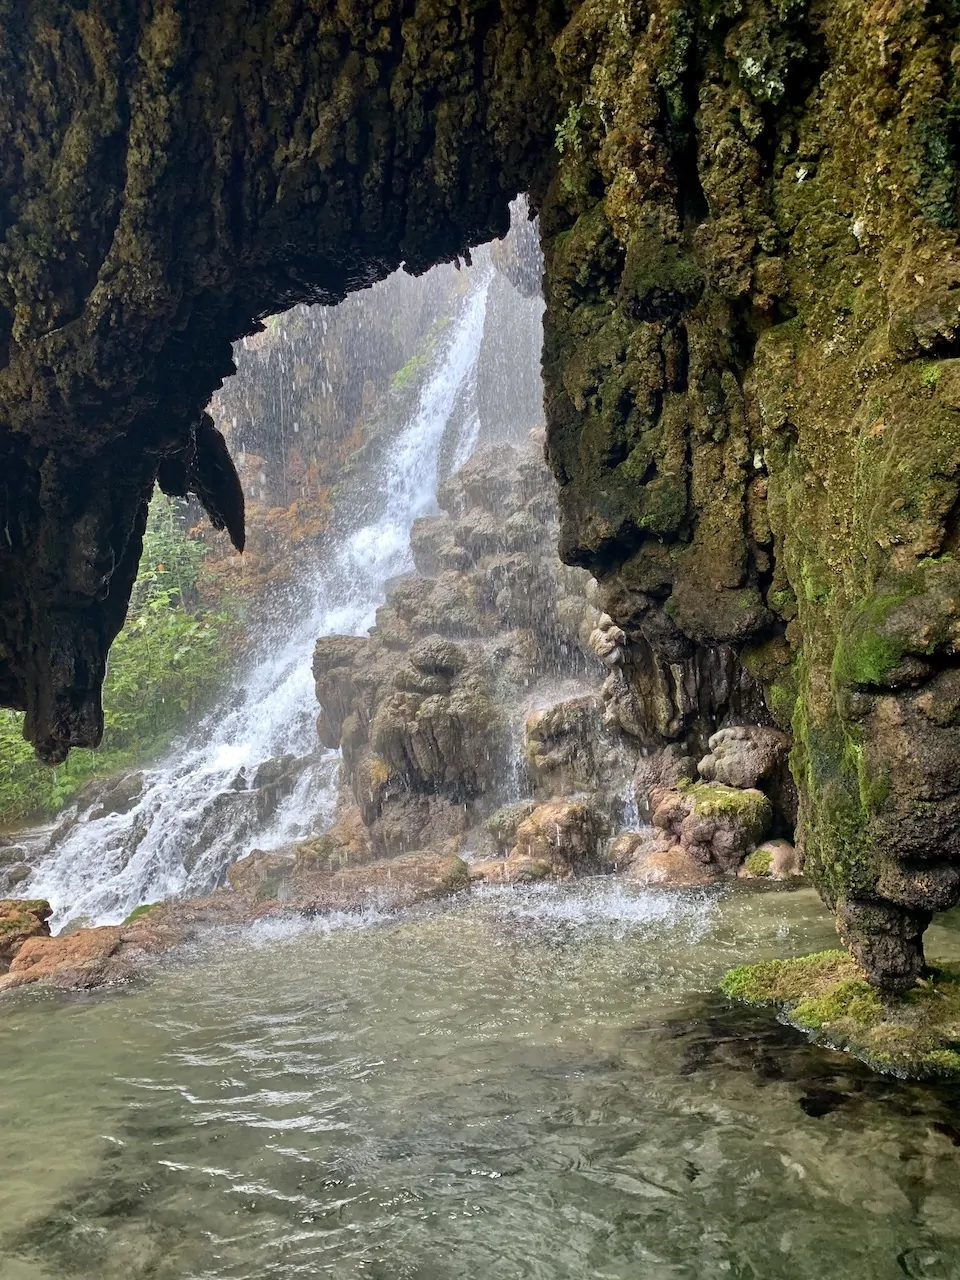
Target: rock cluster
[(727, 813), (460, 701), (455, 701)]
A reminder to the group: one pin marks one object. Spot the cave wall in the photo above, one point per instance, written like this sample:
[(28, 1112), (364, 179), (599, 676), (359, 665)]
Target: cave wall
[(753, 315), (749, 225)]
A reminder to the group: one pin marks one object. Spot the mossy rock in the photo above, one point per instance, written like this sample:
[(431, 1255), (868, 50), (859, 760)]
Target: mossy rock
[(139, 912), (716, 800), (503, 823), (916, 1035), (759, 862)]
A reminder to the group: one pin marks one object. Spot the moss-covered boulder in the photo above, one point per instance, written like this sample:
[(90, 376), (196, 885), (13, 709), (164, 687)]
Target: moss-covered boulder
[(915, 1034), (716, 825)]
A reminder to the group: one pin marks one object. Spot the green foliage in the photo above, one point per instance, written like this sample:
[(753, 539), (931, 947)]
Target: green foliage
[(568, 131), (164, 665)]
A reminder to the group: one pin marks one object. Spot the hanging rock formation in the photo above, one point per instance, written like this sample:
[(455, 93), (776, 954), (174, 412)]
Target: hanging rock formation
[(168, 176), (753, 314)]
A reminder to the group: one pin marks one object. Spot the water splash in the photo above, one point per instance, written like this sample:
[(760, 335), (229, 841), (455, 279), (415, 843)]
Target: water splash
[(603, 906), (196, 814)]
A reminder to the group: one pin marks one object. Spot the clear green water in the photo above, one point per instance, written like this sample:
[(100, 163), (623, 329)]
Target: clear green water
[(529, 1084)]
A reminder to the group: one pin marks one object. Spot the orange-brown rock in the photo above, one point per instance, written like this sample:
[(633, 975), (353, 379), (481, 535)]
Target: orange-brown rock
[(658, 859), (75, 960), (21, 920), (565, 836)]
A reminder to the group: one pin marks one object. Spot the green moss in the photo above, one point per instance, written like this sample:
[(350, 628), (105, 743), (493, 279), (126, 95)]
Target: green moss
[(714, 799), (851, 998), (781, 698), (916, 1035), (929, 374), (139, 912), (759, 862)]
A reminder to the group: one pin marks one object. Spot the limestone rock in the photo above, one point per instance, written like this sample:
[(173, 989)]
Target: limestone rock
[(744, 756), (659, 770), (717, 825), (564, 836), (118, 795), (263, 874), (502, 825), (411, 821), (655, 858), (72, 962), (21, 920), (773, 860), (565, 745), (434, 547)]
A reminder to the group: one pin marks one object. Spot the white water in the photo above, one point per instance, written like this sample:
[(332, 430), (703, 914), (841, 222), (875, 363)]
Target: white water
[(189, 826)]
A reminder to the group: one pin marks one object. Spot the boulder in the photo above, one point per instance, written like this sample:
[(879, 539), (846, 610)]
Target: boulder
[(264, 874), (411, 821), (567, 837), (717, 825), (74, 961), (117, 795), (745, 756), (21, 920), (654, 858), (517, 869), (450, 741), (772, 860), (490, 480)]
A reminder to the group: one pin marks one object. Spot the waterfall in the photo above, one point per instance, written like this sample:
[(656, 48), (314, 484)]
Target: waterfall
[(196, 814)]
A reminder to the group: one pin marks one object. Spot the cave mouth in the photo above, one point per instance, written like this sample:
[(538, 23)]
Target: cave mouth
[(385, 139)]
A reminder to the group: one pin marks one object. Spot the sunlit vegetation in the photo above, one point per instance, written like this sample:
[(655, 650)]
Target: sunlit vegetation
[(169, 659)]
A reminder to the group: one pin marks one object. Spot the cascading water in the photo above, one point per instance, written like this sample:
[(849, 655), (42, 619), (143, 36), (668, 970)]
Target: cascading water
[(195, 815)]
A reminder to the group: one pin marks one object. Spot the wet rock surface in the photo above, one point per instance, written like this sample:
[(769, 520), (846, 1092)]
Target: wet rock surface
[(114, 335), (450, 706)]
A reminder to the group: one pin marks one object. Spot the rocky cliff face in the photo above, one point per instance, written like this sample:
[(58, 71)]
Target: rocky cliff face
[(751, 276), (169, 176), (752, 313)]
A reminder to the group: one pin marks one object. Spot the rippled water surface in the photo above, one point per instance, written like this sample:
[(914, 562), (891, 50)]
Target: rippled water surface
[(528, 1084)]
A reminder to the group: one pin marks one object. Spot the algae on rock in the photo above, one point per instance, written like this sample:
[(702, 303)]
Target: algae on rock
[(916, 1033)]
